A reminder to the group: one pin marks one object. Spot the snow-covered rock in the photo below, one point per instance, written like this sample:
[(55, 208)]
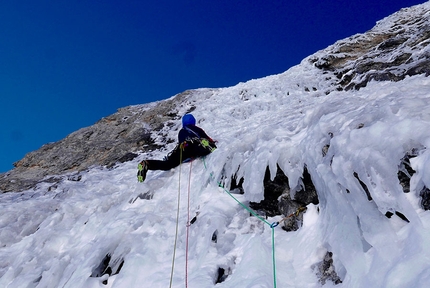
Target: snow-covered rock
[(81, 219)]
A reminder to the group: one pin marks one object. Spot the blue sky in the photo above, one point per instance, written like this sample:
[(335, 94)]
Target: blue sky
[(66, 64)]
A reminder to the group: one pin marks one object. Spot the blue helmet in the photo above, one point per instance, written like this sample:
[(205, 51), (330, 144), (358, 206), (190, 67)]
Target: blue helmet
[(188, 120)]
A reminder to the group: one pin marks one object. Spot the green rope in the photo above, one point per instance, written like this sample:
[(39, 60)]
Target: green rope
[(272, 226), (273, 257), (177, 219), (243, 205)]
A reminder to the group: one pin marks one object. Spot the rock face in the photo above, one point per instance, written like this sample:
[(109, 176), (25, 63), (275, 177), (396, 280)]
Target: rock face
[(326, 271), (400, 44), (277, 199), (350, 63), (113, 139)]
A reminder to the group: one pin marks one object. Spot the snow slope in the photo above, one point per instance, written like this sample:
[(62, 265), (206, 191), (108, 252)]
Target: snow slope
[(60, 235)]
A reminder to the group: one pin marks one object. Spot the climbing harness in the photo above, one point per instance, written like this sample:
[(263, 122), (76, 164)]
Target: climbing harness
[(205, 143)]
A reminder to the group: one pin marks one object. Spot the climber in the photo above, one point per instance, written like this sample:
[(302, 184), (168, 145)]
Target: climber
[(193, 143)]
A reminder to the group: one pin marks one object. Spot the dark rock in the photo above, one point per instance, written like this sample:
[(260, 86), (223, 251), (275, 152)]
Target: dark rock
[(364, 186), (215, 236), (192, 221), (351, 61), (108, 266), (75, 177), (423, 67), (325, 150), (127, 157), (277, 199), (308, 193), (222, 274), (400, 215), (405, 170), (272, 190), (391, 43), (404, 175), (291, 206), (425, 198), (326, 271), (236, 185)]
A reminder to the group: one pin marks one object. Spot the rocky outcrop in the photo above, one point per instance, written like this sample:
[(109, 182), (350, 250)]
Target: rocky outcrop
[(395, 48), (326, 271), (114, 139), (277, 199)]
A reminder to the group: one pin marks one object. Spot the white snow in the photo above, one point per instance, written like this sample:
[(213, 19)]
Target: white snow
[(58, 237)]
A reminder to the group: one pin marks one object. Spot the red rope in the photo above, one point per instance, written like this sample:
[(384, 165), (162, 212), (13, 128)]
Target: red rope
[(188, 228)]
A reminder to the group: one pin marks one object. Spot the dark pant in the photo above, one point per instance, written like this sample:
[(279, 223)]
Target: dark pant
[(190, 152)]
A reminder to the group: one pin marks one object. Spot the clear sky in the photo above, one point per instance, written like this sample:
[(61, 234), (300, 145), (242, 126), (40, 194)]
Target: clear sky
[(65, 64)]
